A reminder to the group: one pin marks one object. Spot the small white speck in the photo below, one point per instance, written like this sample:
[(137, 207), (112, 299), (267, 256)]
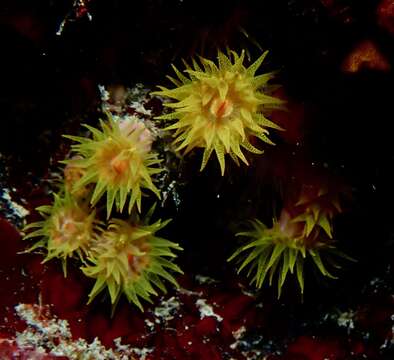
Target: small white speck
[(149, 324), (103, 93), (205, 279), (346, 319)]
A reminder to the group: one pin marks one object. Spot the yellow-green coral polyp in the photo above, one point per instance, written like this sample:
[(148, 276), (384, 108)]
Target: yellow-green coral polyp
[(118, 161), (275, 252), (67, 229), (220, 107), (131, 259)]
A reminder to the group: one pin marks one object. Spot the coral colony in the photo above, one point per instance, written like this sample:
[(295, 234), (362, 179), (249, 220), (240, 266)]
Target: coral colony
[(99, 216)]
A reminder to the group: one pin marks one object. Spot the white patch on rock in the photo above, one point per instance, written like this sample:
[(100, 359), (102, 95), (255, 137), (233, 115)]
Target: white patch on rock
[(346, 319), (166, 310), (104, 94), (206, 310), (189, 292), (53, 336), (18, 210)]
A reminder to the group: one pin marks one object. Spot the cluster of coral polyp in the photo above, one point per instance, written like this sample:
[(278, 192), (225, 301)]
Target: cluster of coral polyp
[(218, 107), (124, 256)]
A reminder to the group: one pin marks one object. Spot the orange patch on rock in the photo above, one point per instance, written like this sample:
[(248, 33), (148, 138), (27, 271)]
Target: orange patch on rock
[(365, 55)]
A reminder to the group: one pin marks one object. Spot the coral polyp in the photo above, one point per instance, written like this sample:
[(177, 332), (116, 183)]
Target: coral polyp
[(132, 260), (118, 161), (72, 174), (319, 207), (67, 230), (282, 249), (220, 107)]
